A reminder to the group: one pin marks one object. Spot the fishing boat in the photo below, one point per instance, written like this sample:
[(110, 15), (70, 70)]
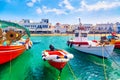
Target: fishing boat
[(113, 37), (10, 47), (80, 42), (8, 53), (36, 41), (117, 44), (57, 58)]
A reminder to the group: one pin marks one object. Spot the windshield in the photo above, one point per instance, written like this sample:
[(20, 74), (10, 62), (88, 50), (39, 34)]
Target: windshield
[(76, 34), (83, 34)]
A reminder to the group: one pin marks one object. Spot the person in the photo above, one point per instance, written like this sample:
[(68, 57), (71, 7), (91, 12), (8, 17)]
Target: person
[(51, 47)]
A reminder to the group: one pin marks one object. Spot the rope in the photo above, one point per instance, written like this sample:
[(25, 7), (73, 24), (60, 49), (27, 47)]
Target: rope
[(59, 74), (112, 58), (74, 76), (58, 77), (104, 66)]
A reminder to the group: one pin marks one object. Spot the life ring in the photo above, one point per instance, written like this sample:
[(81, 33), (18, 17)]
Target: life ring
[(18, 36), (11, 35)]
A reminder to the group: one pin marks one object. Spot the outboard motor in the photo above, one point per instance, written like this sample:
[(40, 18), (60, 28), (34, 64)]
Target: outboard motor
[(51, 47)]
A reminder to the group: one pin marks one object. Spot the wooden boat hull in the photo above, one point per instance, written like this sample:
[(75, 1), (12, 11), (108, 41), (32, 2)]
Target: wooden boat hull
[(57, 58), (8, 53), (117, 44), (58, 65), (102, 51)]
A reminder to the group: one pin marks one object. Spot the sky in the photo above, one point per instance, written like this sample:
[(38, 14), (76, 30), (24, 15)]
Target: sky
[(62, 11)]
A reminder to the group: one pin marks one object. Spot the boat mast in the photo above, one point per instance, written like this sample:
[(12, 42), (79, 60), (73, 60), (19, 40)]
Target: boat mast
[(80, 25), (94, 32)]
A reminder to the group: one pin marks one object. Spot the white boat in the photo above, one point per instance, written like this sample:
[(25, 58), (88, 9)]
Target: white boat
[(81, 43)]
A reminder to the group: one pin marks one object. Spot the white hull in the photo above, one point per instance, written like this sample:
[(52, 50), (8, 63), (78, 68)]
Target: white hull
[(103, 51)]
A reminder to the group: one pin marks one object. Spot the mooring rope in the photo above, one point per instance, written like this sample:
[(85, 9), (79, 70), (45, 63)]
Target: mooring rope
[(59, 75), (74, 76), (104, 66), (112, 58)]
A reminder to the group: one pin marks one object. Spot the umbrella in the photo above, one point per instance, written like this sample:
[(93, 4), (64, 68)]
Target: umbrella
[(4, 24)]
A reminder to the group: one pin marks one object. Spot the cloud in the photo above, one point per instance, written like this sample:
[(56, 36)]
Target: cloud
[(32, 2), (54, 10), (45, 9), (66, 4), (99, 5), (39, 11)]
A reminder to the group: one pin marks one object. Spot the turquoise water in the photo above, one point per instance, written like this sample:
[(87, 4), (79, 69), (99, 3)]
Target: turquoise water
[(30, 66)]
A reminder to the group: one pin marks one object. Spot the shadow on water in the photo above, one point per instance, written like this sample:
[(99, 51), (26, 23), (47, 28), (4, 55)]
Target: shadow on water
[(92, 67), (87, 67), (8, 70), (117, 51), (45, 72)]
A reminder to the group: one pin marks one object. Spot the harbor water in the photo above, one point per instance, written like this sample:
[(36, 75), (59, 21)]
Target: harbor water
[(30, 66)]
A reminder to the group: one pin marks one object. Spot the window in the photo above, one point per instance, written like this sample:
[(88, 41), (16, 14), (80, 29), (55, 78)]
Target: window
[(76, 34), (83, 34), (46, 26)]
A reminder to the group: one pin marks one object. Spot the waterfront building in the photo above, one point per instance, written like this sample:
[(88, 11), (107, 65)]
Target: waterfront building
[(66, 28), (37, 27), (86, 26), (45, 27), (60, 28), (104, 28), (117, 26), (70, 29)]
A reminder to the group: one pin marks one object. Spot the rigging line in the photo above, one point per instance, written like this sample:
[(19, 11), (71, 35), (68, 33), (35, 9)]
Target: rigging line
[(112, 58), (72, 72), (104, 66)]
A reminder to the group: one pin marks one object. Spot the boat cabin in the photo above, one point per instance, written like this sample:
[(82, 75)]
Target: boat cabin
[(81, 36)]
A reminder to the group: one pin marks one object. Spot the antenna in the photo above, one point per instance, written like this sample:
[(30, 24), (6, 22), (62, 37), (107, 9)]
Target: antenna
[(79, 22)]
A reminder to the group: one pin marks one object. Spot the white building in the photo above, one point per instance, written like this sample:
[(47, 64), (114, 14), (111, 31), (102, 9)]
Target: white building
[(106, 28), (86, 26), (36, 27), (117, 27), (60, 28)]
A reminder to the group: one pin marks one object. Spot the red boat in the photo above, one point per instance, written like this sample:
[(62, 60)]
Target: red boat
[(8, 53), (10, 45), (114, 39), (117, 44), (57, 58)]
